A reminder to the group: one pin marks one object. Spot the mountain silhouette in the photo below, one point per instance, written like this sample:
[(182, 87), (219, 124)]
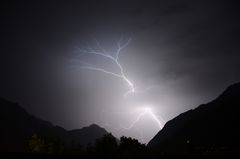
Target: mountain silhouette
[(17, 127), (210, 128)]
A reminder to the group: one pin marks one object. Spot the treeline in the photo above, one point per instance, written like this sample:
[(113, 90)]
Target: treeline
[(108, 145)]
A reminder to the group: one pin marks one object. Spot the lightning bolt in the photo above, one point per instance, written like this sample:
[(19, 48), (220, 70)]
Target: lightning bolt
[(145, 111), (101, 52), (115, 59)]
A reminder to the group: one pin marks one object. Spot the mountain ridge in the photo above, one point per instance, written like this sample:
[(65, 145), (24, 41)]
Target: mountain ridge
[(17, 127), (214, 124)]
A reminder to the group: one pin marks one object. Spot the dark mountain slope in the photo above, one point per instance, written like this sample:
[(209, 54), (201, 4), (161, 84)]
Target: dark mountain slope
[(210, 127), (17, 126)]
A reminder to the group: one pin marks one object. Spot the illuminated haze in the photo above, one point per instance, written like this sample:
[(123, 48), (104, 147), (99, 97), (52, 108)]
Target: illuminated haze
[(181, 54)]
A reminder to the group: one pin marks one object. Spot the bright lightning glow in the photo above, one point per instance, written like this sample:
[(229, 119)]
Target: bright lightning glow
[(101, 53), (145, 111), (115, 59)]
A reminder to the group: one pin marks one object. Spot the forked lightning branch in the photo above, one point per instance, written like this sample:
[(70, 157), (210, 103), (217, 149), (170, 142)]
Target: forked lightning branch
[(102, 53)]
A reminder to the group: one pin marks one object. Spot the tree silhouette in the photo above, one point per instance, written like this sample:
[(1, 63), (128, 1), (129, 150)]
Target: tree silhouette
[(129, 145), (74, 149), (37, 144), (106, 145), (51, 145), (55, 145)]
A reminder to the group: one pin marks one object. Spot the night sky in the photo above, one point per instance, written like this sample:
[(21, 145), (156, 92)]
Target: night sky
[(182, 53)]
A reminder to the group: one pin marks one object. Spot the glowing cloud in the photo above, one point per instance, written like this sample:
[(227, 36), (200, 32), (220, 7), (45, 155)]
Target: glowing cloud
[(102, 53)]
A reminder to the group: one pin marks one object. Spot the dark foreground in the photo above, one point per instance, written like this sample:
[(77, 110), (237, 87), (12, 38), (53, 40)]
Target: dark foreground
[(43, 156)]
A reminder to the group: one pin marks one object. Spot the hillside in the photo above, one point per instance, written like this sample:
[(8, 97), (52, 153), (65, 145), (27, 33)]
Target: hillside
[(17, 127), (212, 127)]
